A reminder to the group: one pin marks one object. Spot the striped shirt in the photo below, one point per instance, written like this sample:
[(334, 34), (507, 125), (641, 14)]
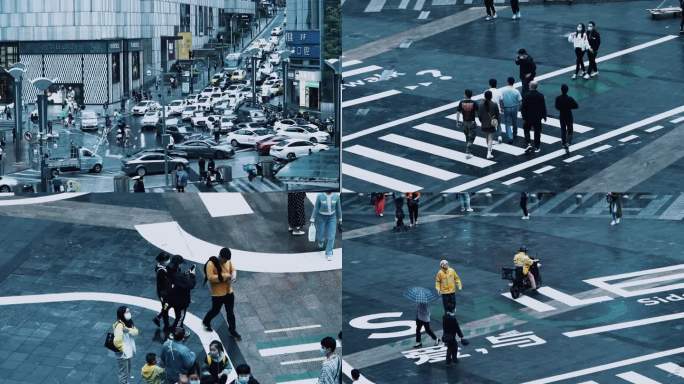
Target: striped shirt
[(331, 370)]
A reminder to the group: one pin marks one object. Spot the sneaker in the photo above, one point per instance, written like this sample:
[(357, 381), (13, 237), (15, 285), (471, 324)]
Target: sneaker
[(438, 341), (613, 222), (489, 155), (156, 321), (567, 149), (469, 209), (289, 228), (594, 74), (207, 327), (537, 150), (418, 345), (488, 18), (382, 214), (526, 217), (298, 232), (586, 76), (463, 209), (495, 16), (518, 15), (574, 76), (514, 17), (465, 342), (468, 155), (500, 140), (236, 336), (528, 148), (617, 221)]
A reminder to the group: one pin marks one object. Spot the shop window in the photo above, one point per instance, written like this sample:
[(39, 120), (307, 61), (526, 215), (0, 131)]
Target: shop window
[(135, 66), (116, 68)]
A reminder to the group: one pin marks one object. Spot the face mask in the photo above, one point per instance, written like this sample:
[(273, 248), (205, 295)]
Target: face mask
[(589, 28), (579, 29), (243, 379), (194, 382), (127, 316), (324, 351)]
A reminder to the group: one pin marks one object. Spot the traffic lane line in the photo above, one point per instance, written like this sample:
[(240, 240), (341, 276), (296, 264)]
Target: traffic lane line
[(402, 162), (448, 153), (672, 369), (546, 76), (460, 136), (561, 152), (636, 378), (378, 179), (299, 328), (624, 325), (358, 71), (373, 97)]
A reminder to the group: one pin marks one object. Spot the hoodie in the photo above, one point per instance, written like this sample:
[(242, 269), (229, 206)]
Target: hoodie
[(177, 358), (152, 374)]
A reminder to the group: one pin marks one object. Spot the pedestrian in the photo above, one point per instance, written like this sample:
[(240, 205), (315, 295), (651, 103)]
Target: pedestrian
[(356, 375), (182, 282), (528, 69), (216, 369), (399, 213), (124, 331), (181, 178), (489, 120), (515, 8), (327, 213), (8, 113), (211, 171), (533, 112), (451, 329), (378, 199), (496, 98), (176, 357), (139, 184), (217, 131), (56, 184), (244, 374), (510, 101), (614, 200), (331, 371), (412, 202), (151, 372), (523, 205), (579, 41), (423, 320), (467, 109), (163, 289), (221, 274), (681, 23), (446, 283), (565, 104), (202, 170), (594, 40), (491, 11), (464, 198), (296, 215)]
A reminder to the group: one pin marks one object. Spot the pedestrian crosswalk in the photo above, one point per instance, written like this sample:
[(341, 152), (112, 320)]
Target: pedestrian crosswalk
[(375, 6), (668, 372)]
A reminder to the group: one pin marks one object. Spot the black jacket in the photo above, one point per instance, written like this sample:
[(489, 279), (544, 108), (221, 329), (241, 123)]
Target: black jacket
[(181, 285), (450, 328), (594, 40), (163, 283), (527, 65), (565, 104), (139, 186), (533, 106)]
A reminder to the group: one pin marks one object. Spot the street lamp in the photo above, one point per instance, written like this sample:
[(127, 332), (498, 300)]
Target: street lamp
[(42, 84), (17, 71), (252, 54), (165, 139), (335, 65), (284, 61)]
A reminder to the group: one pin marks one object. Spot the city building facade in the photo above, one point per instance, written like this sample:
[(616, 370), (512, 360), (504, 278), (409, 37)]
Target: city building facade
[(303, 38)]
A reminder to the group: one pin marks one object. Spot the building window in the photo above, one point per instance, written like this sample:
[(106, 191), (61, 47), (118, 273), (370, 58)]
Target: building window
[(9, 55), (116, 69), (185, 18), (200, 18), (135, 67), (210, 21)]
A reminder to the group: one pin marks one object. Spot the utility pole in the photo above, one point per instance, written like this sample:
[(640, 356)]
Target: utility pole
[(17, 72), (42, 84), (165, 139)]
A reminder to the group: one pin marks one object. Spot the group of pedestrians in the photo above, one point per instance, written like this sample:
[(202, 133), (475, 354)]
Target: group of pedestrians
[(491, 9)]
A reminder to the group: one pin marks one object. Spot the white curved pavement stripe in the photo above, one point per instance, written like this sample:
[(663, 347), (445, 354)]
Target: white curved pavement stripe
[(225, 204), (191, 321), (41, 199), (170, 237)]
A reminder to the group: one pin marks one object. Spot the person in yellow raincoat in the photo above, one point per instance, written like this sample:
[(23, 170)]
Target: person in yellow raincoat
[(446, 282), (522, 259)]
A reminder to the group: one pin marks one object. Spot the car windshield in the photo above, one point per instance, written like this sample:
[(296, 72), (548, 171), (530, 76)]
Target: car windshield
[(142, 104), (175, 103), (261, 132), (203, 99), (189, 109), (310, 129), (151, 114), (88, 115)]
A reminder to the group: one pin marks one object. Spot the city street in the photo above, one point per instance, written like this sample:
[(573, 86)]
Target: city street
[(407, 64), (67, 265), (607, 310)]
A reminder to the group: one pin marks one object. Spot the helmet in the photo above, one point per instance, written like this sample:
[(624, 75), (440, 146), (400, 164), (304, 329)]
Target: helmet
[(522, 248)]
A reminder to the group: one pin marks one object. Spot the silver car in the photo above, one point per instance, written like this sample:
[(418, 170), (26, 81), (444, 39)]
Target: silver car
[(147, 163)]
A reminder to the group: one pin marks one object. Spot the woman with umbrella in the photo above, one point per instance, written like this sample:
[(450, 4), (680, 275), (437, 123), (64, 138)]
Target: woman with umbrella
[(422, 297)]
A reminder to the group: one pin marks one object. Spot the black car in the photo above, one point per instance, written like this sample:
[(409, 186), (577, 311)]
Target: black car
[(206, 149), (171, 152)]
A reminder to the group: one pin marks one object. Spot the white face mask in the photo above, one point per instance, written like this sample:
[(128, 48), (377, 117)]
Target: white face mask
[(127, 315), (243, 379), (194, 382), (589, 28), (579, 29), (324, 351)]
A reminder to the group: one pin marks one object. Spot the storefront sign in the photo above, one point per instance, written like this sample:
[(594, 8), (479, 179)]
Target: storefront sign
[(306, 51), (114, 46), (132, 45), (302, 37)]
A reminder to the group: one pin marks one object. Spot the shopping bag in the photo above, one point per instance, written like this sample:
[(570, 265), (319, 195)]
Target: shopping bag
[(312, 233)]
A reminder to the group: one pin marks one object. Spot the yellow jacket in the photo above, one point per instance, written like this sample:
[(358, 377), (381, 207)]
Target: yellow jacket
[(446, 282), (521, 259), (220, 288), (118, 334), (152, 374)]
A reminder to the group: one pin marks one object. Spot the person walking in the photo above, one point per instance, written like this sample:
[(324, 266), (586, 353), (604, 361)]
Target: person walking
[(446, 283), (523, 206), (423, 320), (594, 40), (152, 373), (467, 109), (515, 8), (202, 168), (565, 104), (614, 200), (451, 329), (124, 333), (139, 184), (533, 112), (491, 11), (681, 23), (8, 113), (163, 288), (510, 101), (412, 202), (181, 178), (496, 98), (211, 171), (379, 203), (464, 198), (221, 275), (489, 120), (176, 357), (296, 215), (528, 69), (579, 41), (331, 371), (327, 213), (399, 213), (216, 368), (182, 282)]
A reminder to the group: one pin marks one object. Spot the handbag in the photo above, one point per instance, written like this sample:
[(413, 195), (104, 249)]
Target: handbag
[(109, 342), (312, 232)]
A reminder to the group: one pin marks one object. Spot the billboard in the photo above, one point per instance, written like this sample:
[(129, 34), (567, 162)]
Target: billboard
[(184, 45)]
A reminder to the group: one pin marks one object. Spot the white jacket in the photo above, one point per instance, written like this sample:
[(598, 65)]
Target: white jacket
[(579, 40)]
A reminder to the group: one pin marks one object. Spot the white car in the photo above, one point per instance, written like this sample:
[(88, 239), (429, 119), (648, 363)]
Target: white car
[(293, 148), (217, 78), (151, 119), (192, 99), (235, 89), (257, 116), (203, 103), (176, 107), (206, 92), (227, 122), (277, 31), (274, 59), (234, 100), (238, 74), (203, 119), (217, 98), (8, 184), (274, 40), (284, 123), (88, 120), (265, 69), (144, 106), (188, 112), (270, 88), (248, 136), (305, 133)]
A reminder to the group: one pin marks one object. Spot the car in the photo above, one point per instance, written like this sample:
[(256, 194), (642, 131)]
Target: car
[(284, 123), (234, 89), (192, 99), (277, 31), (151, 119), (263, 147), (222, 106), (8, 184), (89, 121), (179, 134), (227, 123), (201, 118), (176, 107), (265, 69), (189, 112), (206, 92), (217, 97), (203, 103), (293, 148), (252, 115), (148, 163), (235, 100), (216, 78), (248, 136), (305, 133), (238, 74), (205, 148), (270, 88), (274, 59), (274, 40), (171, 152), (144, 106)]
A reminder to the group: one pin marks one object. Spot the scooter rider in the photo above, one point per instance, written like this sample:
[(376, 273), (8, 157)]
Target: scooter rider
[(523, 260)]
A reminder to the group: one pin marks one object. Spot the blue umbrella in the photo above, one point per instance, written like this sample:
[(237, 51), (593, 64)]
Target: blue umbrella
[(421, 295)]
